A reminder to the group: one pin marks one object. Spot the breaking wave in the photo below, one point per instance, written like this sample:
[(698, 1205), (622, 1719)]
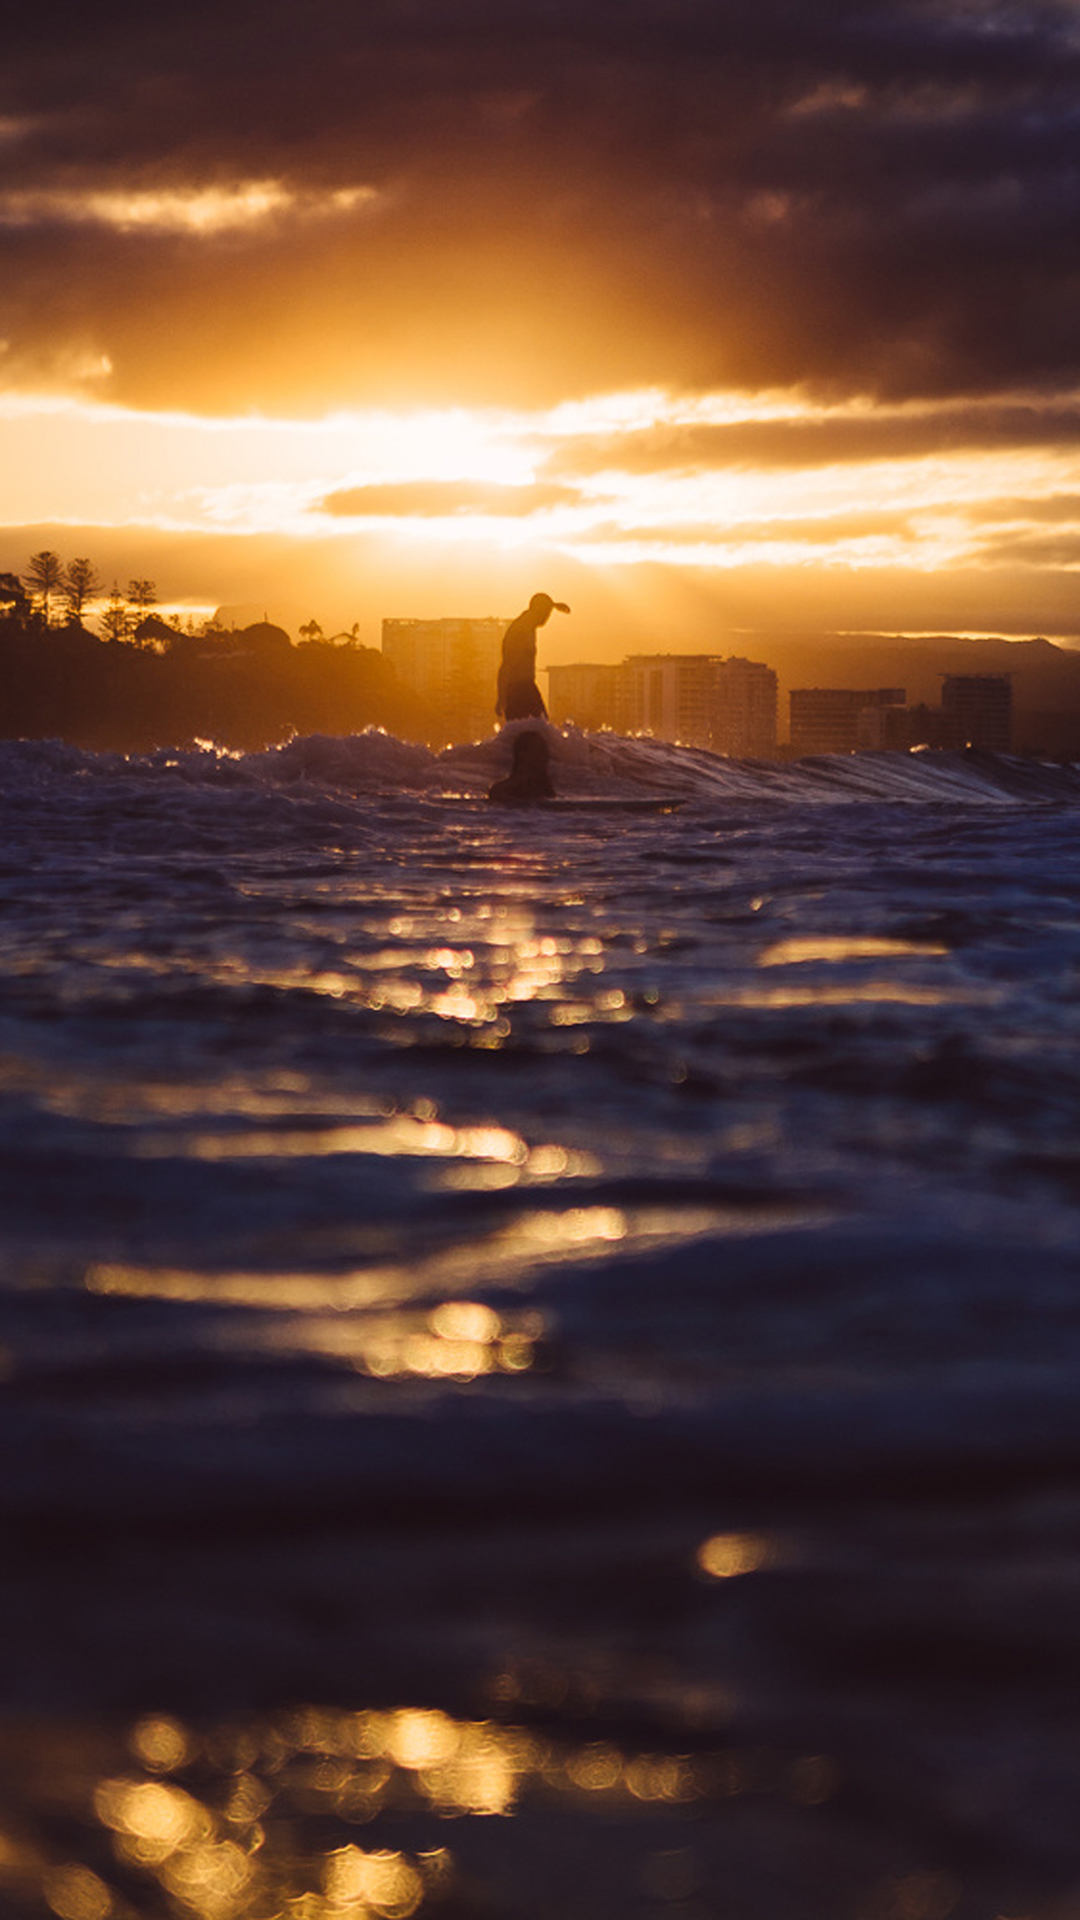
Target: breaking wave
[(585, 766)]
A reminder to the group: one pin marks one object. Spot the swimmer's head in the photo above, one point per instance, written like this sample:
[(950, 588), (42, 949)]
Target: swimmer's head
[(542, 606)]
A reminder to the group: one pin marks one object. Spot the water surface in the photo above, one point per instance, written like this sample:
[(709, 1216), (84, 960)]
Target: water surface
[(540, 1349)]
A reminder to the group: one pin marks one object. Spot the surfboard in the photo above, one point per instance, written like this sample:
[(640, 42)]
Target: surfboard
[(595, 804), (599, 805)]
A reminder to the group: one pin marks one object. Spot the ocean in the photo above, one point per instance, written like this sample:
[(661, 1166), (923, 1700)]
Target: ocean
[(540, 1348)]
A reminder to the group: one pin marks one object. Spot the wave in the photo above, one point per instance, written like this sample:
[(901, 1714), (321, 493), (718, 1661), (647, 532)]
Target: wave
[(585, 766)]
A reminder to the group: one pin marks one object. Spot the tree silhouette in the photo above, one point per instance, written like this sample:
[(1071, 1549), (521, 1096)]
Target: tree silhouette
[(13, 595), (142, 594), (116, 620), (80, 585), (45, 577)]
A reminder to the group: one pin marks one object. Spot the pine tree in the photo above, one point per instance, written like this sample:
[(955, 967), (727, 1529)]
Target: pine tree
[(45, 577), (81, 584), (116, 619), (142, 594)]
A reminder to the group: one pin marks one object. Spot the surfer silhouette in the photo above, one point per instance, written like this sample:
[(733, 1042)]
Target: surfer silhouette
[(528, 778), (518, 696)]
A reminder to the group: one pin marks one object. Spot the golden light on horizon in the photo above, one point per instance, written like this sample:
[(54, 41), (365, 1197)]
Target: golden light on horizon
[(97, 463), (729, 485)]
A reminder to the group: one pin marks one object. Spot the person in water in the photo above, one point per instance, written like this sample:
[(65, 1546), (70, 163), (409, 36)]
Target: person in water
[(518, 696), (528, 778)]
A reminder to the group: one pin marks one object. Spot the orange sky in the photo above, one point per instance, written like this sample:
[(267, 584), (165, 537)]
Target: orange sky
[(703, 326)]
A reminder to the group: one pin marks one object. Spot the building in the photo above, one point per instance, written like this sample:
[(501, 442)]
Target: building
[(980, 708), (694, 699), (451, 666), (830, 719), (975, 710), (700, 700), (584, 693), (670, 695), (901, 728), (744, 710)]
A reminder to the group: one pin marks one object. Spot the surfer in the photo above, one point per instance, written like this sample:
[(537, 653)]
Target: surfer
[(518, 696), (528, 778)]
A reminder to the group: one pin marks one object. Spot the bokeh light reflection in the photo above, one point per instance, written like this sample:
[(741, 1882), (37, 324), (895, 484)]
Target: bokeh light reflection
[(382, 1883), (151, 1820), (162, 1745), (260, 1821), (727, 1555), (76, 1893), (459, 1340)]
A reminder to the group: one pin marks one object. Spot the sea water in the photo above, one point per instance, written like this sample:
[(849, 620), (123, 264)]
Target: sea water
[(540, 1348)]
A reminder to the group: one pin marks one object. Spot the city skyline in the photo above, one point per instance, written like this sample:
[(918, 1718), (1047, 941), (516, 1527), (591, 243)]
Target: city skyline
[(443, 673)]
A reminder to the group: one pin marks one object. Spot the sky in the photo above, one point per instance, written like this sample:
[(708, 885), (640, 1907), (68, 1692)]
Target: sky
[(706, 316)]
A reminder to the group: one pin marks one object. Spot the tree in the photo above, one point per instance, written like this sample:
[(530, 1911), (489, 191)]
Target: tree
[(44, 578), (81, 584), (13, 595), (116, 620), (142, 594)]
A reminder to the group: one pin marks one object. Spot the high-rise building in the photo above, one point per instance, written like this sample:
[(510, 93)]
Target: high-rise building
[(829, 719), (586, 694), (744, 710), (451, 666), (899, 729), (695, 699), (980, 705), (669, 695)]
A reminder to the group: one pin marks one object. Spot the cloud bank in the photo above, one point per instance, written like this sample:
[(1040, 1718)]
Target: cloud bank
[(230, 206)]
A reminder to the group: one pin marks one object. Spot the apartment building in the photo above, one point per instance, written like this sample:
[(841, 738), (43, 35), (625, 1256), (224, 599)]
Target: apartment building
[(839, 719), (450, 665), (586, 694), (669, 695), (979, 705), (744, 710), (700, 700)]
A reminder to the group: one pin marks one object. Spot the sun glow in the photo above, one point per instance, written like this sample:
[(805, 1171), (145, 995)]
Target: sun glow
[(721, 481)]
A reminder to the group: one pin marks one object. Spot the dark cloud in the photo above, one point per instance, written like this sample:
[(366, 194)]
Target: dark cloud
[(824, 530), (873, 194), (1059, 507), (1043, 551), (819, 442), (429, 499)]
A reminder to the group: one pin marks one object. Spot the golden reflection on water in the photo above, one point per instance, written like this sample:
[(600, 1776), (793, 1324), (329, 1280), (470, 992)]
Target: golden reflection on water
[(76, 1893), (257, 1820), (503, 961), (799, 949), (855, 993), (507, 1255), (162, 1745), (460, 1340), (727, 1555), (835, 949), (403, 1135)]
